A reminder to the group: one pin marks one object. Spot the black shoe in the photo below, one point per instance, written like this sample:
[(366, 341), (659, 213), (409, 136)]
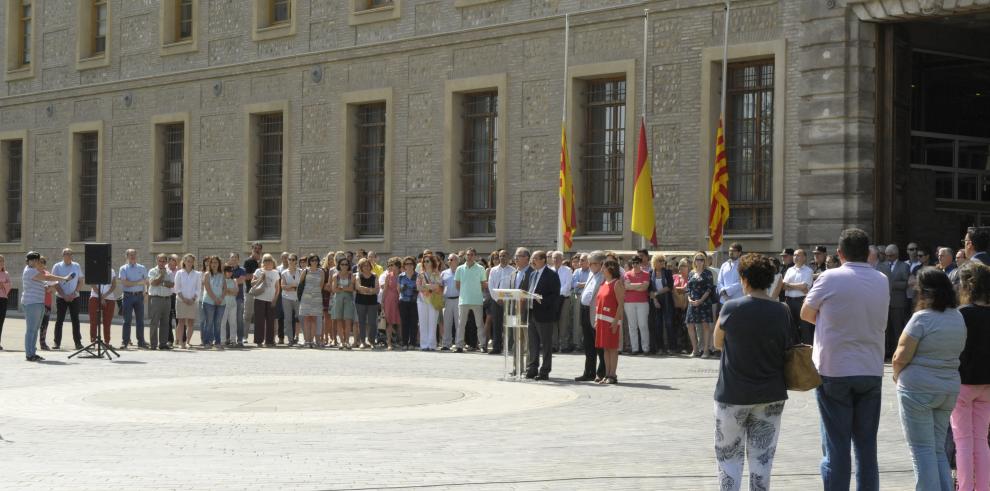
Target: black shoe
[(484, 350), (530, 375), (143, 345), (57, 347), (445, 348), (567, 350), (79, 346), (495, 352), (44, 347), (164, 347), (124, 345), (543, 377), (460, 350), (584, 378), (281, 341)]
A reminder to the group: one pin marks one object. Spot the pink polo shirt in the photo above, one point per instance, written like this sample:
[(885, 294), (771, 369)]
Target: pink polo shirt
[(852, 303)]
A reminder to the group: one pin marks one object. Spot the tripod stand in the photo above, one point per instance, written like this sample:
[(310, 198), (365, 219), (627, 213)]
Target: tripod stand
[(98, 349)]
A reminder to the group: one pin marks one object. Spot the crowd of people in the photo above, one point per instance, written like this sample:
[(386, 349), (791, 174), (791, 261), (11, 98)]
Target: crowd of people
[(860, 307)]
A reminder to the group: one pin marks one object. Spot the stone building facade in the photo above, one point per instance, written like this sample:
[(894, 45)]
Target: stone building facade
[(188, 84)]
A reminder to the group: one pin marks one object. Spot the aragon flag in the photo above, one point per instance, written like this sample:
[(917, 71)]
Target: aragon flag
[(568, 222), (718, 215), (644, 220)]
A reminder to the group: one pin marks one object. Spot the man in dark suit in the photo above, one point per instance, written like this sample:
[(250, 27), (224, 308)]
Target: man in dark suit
[(897, 273), (543, 313), (520, 281)]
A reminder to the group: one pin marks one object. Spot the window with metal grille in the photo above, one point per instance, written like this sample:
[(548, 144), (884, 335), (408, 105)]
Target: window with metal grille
[(374, 4), (269, 177), (369, 171), (749, 146), (478, 159), (603, 158), (25, 41), (184, 20), (99, 27), (173, 142), (280, 11), (89, 167), (15, 159)]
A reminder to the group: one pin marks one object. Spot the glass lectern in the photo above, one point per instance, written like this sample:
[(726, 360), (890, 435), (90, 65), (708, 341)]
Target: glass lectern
[(515, 305)]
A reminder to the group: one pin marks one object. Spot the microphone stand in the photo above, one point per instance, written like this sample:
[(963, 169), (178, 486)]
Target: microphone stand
[(101, 348)]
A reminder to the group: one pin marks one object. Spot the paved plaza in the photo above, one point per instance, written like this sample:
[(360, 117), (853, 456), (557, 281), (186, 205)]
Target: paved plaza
[(292, 418)]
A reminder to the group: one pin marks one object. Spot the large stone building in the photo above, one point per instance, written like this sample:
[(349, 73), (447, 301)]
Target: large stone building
[(394, 125)]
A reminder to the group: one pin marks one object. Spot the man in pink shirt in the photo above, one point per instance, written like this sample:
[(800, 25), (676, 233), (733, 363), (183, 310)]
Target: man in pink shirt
[(848, 306)]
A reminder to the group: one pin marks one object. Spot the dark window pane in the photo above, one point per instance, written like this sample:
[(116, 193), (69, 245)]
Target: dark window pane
[(280, 11), (269, 177), (185, 19), (172, 170), (478, 164), (15, 159), (89, 166), (749, 146), (603, 157), (369, 171)]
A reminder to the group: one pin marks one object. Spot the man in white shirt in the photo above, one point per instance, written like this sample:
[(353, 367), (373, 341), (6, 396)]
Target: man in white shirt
[(68, 297), (729, 286), (562, 328), (578, 280), (499, 278), (450, 294), (589, 292), (796, 285)]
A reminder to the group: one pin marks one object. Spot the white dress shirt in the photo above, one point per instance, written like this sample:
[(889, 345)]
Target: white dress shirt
[(798, 275)]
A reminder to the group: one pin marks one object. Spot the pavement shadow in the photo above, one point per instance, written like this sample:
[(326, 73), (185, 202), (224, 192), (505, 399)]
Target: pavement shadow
[(54, 362), (129, 362)]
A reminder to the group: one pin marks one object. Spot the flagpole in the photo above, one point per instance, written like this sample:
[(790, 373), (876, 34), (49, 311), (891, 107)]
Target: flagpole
[(725, 84), (646, 20), (563, 120)]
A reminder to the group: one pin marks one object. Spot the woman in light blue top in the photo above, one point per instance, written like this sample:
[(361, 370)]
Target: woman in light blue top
[(214, 286), (926, 370), (33, 284)]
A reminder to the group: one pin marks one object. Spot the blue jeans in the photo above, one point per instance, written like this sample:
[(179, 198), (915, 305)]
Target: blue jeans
[(850, 412), (212, 314), (133, 303), (925, 420), (241, 334), (33, 313)]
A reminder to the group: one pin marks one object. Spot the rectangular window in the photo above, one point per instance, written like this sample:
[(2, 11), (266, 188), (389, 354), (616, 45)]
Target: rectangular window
[(269, 177), (184, 20), (603, 156), (172, 175), (89, 167), (25, 34), (280, 12), (99, 27), (15, 158), (749, 146), (478, 162), (369, 171), (374, 4)]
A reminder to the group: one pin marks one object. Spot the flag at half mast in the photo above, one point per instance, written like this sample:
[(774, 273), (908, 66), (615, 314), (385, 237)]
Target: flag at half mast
[(568, 221), (718, 215), (644, 220)]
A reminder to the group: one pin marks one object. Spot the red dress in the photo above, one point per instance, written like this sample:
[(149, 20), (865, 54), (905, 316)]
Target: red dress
[(606, 311)]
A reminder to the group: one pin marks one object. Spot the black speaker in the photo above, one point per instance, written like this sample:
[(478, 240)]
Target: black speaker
[(98, 266)]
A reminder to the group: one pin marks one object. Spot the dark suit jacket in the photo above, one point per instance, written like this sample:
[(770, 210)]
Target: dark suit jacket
[(525, 280), (666, 300), (549, 288), (898, 278)]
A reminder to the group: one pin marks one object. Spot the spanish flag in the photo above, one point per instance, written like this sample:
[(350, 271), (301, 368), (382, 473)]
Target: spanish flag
[(568, 221), (719, 212), (643, 217)]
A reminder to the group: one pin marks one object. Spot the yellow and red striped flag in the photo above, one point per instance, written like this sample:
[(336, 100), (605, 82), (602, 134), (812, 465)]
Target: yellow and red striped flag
[(644, 220), (718, 215), (568, 221)]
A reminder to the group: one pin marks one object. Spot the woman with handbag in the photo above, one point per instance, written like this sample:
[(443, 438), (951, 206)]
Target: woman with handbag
[(752, 333), (311, 299), (343, 303), (430, 296), (700, 291), (926, 370), (662, 286), (366, 304), (971, 416), (265, 289)]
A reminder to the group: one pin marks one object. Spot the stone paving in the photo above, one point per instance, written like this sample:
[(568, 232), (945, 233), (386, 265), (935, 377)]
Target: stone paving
[(332, 420)]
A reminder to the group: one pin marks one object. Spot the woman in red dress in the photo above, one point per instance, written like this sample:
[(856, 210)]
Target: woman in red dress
[(608, 319)]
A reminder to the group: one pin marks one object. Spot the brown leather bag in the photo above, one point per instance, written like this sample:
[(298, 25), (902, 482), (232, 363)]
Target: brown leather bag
[(800, 373)]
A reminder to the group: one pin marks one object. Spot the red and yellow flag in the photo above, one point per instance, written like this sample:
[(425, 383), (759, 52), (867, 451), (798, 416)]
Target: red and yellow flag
[(719, 212), (643, 217), (568, 221)]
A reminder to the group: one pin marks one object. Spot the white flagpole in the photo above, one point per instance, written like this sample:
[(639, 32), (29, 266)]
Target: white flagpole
[(725, 84), (646, 69), (563, 121)]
